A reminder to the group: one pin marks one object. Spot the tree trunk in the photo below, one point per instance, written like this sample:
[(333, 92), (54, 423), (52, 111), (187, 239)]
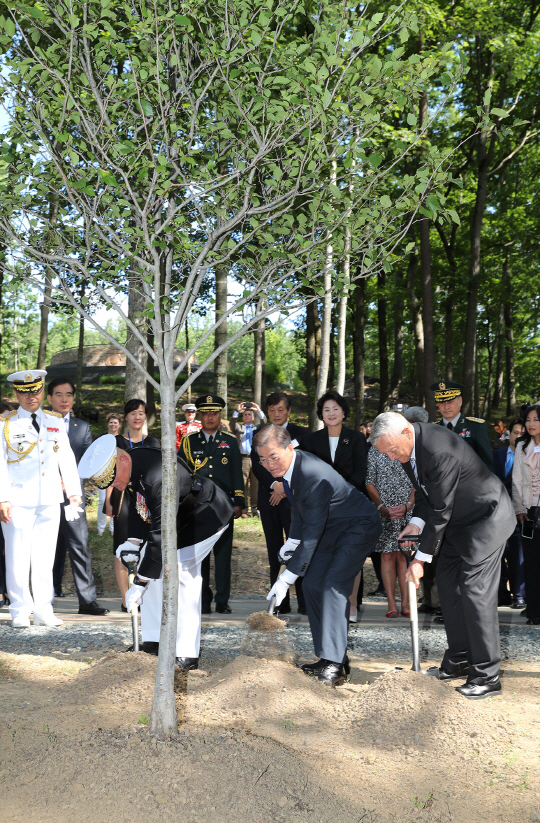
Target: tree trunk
[(220, 337), (47, 291), (487, 394), (2, 259), (80, 358), (418, 327), (259, 362), (397, 366), (427, 318), (332, 361), (341, 340), (499, 368), (448, 337), (359, 350), (163, 720), (324, 362), (469, 361), (476, 399), (135, 385), (312, 327), (188, 365), (150, 391), (509, 339), (383, 342)]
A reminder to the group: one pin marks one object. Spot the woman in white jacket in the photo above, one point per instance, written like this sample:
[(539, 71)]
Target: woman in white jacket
[(526, 498)]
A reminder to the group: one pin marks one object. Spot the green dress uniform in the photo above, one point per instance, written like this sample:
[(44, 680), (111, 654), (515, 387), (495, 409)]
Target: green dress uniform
[(474, 431), (220, 460)]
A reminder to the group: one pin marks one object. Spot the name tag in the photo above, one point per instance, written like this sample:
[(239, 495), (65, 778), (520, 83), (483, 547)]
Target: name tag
[(536, 449), (295, 443)]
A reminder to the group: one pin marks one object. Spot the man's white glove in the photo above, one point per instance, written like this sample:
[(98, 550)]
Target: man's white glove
[(72, 512), (128, 546), (281, 586), (134, 596), (287, 550)]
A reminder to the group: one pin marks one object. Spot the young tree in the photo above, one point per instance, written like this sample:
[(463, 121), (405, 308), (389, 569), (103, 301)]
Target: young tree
[(183, 140)]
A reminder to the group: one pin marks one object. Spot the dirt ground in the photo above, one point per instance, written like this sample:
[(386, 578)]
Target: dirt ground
[(260, 742)]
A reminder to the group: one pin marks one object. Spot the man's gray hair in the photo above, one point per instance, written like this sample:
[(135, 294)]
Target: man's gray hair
[(416, 414), (272, 434), (390, 422)]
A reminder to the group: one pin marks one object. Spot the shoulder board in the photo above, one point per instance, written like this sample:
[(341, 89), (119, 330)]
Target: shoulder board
[(8, 414), (53, 414), (475, 419), (227, 434)]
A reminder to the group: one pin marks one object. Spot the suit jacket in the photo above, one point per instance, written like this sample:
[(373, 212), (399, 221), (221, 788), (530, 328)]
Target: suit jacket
[(474, 432), (324, 502), (238, 428), (499, 460), (461, 501), (210, 510), (263, 475), (350, 460), (80, 437)]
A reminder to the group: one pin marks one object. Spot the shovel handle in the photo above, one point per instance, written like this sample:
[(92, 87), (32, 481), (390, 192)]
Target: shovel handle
[(413, 608), (134, 618)]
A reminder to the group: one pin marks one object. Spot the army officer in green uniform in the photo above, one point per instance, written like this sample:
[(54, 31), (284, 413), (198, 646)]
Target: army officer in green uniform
[(473, 430), (215, 454)]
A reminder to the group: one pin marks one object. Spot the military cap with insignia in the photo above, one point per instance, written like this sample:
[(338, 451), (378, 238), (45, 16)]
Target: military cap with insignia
[(99, 461), (189, 407), (446, 390), (30, 381), (210, 403)]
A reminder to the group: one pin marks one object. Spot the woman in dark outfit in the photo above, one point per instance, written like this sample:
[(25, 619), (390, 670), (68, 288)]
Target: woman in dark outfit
[(135, 412), (342, 448)]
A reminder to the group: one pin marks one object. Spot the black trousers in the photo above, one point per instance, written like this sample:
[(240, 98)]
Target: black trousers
[(512, 568), (73, 538), (276, 522), (328, 584), (468, 594), (222, 570), (3, 589), (429, 585), (531, 558)]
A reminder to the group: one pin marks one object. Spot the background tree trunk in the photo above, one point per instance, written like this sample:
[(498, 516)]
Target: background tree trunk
[(509, 339), (313, 324), (150, 391), (220, 337), (80, 357), (46, 303), (448, 337), (259, 363), (324, 362), (383, 342), (499, 368), (359, 350), (397, 366), (331, 383), (427, 318), (135, 385), (418, 327), (341, 347)]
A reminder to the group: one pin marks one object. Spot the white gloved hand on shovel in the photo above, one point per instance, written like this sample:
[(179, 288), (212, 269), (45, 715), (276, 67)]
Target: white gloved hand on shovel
[(134, 595), (281, 586), (288, 549), (72, 512), (129, 545)]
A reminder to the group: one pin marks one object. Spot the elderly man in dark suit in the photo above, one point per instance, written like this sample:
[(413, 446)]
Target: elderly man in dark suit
[(464, 514), (334, 527), (512, 568), (73, 534), (274, 507)]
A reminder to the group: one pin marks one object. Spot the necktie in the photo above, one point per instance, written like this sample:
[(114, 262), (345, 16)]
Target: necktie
[(413, 464), (35, 424), (287, 490), (450, 427), (210, 439)]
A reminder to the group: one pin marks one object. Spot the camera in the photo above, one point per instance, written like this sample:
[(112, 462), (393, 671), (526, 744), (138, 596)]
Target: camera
[(248, 405)]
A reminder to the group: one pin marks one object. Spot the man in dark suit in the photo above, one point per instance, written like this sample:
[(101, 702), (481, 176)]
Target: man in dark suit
[(274, 507), (464, 514), (512, 569), (73, 534), (334, 527)]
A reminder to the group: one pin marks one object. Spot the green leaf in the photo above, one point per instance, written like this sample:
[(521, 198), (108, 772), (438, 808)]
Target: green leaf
[(147, 108), (500, 113)]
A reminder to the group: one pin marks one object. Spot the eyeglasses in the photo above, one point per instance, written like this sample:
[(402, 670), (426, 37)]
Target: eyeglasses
[(266, 461)]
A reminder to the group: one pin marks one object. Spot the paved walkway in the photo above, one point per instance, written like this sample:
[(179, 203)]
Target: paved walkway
[(370, 614)]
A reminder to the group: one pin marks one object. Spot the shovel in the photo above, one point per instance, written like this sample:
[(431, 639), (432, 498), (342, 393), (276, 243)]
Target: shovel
[(131, 566), (272, 605), (413, 608)]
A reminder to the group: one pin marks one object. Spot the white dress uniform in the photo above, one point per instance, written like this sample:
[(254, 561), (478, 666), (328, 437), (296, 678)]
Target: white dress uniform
[(33, 467)]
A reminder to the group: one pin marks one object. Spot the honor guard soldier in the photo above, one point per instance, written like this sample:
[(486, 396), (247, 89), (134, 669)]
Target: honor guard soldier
[(36, 460), (473, 430), (189, 425), (215, 454)]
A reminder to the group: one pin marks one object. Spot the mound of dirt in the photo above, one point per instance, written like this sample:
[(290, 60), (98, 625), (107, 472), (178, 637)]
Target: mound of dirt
[(264, 622)]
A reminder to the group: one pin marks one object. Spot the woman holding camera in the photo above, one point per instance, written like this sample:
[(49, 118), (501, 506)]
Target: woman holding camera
[(526, 499)]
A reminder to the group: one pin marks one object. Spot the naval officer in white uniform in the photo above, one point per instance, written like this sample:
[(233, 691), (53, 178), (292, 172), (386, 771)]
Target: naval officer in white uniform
[(35, 461)]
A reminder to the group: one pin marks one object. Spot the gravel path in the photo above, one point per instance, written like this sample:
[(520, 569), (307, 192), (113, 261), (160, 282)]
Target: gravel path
[(518, 643)]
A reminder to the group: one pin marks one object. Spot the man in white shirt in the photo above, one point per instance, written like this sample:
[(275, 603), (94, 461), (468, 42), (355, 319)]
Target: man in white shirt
[(244, 433), (35, 461)]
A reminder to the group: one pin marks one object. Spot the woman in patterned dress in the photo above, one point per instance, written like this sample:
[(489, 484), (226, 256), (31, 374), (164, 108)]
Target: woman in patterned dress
[(393, 493)]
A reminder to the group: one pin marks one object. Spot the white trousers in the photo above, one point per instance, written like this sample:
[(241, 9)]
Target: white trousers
[(188, 627), (30, 538), (101, 516)]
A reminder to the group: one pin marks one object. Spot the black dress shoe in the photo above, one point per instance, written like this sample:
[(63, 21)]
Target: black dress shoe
[(187, 664), (302, 610), (92, 608), (491, 688), (438, 619), (283, 610), (443, 674), (533, 621), (315, 668), (223, 609), (149, 647), (425, 609), (518, 603), (331, 674), (59, 593), (504, 601)]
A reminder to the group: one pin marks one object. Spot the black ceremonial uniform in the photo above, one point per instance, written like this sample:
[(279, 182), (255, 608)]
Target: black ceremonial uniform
[(474, 431), (221, 461)]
